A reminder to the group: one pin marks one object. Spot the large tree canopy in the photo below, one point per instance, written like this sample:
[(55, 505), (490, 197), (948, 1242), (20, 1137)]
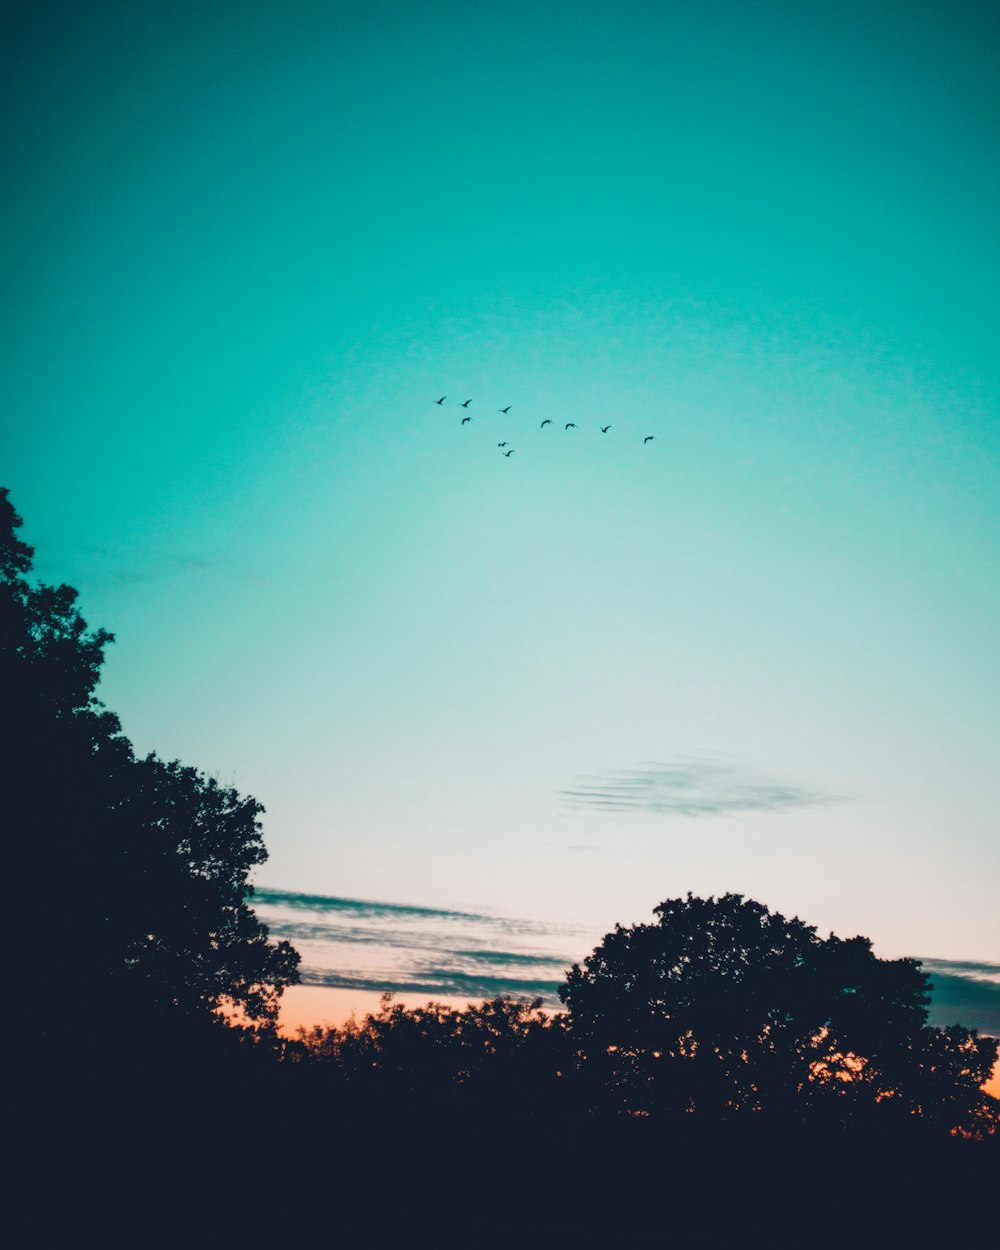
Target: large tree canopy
[(723, 1007), (127, 877)]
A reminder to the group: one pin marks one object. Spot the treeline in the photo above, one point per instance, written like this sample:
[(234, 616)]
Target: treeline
[(722, 1010)]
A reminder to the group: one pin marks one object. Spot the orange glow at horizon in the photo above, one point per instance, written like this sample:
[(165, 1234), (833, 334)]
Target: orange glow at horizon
[(305, 1006)]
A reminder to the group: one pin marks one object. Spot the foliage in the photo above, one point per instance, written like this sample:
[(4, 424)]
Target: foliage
[(502, 1055), (130, 875), (723, 1008)]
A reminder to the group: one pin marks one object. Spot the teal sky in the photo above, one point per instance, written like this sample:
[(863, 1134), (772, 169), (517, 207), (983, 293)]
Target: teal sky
[(245, 247)]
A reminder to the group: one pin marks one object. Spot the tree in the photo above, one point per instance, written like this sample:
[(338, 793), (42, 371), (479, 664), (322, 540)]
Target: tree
[(723, 1008), (129, 876)]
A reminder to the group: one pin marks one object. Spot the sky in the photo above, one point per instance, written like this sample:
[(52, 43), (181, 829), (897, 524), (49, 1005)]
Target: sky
[(244, 250)]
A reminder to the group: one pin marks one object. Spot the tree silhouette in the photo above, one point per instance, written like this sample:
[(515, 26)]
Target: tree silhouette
[(724, 1008), (498, 1058), (128, 876)]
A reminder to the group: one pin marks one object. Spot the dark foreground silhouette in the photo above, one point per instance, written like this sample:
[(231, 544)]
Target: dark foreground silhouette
[(275, 1153), (723, 1075), (128, 876)]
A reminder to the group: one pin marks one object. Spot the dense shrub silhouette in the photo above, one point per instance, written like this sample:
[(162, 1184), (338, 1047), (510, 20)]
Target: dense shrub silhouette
[(501, 1057)]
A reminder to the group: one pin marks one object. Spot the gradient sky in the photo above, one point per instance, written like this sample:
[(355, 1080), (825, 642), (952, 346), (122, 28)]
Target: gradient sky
[(245, 246)]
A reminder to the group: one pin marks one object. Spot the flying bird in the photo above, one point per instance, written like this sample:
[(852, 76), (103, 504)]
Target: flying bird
[(570, 425), (509, 453), (547, 421), (501, 444), (505, 410), (464, 419), (648, 439), (441, 400), (605, 428), (467, 403)]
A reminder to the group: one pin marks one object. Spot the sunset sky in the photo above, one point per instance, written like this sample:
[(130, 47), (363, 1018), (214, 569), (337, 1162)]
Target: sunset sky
[(495, 704)]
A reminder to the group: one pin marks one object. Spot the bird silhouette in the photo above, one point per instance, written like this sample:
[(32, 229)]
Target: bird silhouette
[(467, 403), (505, 410), (509, 453), (464, 419), (441, 400), (501, 444), (570, 425), (605, 428), (648, 439), (547, 421)]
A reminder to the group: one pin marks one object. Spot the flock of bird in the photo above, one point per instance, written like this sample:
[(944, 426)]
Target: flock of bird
[(570, 425)]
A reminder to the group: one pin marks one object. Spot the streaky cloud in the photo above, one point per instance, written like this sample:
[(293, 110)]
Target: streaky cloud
[(366, 944), (965, 991), (302, 931), (445, 982), (356, 906), (512, 958), (359, 910), (963, 1000), (110, 568), (703, 785), (966, 968)]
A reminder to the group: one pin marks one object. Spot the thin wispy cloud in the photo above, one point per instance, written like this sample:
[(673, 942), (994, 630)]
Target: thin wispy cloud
[(439, 982), (109, 568), (967, 969), (965, 992), (357, 908), (403, 948), (702, 785)]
